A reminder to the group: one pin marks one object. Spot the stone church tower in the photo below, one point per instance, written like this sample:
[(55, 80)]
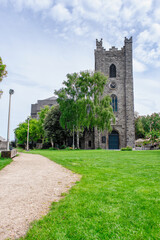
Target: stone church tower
[(117, 66)]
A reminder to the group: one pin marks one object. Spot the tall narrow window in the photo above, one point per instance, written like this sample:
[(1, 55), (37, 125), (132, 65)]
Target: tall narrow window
[(89, 143), (104, 139), (112, 71), (114, 103)]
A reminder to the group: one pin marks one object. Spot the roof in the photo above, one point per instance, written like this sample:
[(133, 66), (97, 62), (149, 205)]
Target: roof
[(49, 99)]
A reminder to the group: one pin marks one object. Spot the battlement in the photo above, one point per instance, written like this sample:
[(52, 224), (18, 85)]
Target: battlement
[(113, 48), (99, 43), (128, 40)]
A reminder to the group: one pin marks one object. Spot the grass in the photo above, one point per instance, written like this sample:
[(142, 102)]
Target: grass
[(4, 162), (118, 197)]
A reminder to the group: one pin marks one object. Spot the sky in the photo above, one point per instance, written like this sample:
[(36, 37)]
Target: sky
[(43, 40)]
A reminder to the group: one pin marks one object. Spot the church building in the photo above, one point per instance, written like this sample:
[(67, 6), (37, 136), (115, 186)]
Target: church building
[(117, 66)]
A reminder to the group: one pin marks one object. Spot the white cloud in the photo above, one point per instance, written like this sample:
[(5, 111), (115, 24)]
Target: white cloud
[(80, 30), (148, 46), (60, 13), (156, 14), (35, 5), (138, 66), (146, 95)]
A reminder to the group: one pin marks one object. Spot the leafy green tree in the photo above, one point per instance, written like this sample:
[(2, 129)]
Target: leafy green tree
[(3, 72), (104, 116), (148, 126), (139, 128), (154, 135), (21, 131), (53, 129), (81, 102), (42, 115)]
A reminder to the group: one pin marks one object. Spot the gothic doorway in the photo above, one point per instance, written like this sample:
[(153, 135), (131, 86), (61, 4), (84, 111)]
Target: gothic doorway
[(114, 140)]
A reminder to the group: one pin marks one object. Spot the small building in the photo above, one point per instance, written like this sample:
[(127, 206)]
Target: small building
[(3, 144), (35, 108)]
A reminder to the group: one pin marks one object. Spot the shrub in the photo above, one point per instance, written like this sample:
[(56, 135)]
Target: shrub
[(53, 148), (69, 148), (139, 145), (128, 148), (63, 147), (46, 145), (146, 143)]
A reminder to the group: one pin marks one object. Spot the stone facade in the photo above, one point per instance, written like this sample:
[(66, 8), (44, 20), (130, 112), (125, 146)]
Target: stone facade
[(120, 88), (35, 108), (3, 144)]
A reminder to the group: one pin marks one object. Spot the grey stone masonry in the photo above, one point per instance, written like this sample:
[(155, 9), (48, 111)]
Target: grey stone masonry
[(130, 129), (119, 86), (35, 108)]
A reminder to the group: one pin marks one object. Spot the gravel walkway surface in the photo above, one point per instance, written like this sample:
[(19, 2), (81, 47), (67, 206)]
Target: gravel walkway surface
[(27, 187)]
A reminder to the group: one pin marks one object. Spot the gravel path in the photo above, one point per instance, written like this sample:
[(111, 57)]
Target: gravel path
[(27, 187)]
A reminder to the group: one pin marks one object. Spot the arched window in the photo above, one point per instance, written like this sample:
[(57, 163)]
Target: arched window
[(114, 103), (112, 71)]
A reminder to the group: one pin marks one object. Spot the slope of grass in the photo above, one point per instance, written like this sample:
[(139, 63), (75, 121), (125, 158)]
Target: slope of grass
[(118, 197), (4, 162)]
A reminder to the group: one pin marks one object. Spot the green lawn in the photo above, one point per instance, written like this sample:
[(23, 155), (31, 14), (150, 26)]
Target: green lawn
[(118, 197), (4, 162)]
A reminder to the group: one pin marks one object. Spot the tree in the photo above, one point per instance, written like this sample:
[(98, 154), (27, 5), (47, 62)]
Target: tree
[(81, 102), (21, 131), (104, 116), (42, 115), (154, 135), (53, 129), (148, 126), (3, 72), (139, 128)]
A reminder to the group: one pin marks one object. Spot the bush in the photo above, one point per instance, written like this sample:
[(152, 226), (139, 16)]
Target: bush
[(46, 145), (146, 143), (139, 145), (53, 148), (128, 148), (69, 148), (63, 147)]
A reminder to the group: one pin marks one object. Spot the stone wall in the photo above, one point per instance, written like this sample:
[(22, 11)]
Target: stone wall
[(36, 108), (130, 127), (3, 145)]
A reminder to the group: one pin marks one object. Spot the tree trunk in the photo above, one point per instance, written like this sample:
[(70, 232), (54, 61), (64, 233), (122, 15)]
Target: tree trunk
[(78, 139), (98, 139), (52, 142)]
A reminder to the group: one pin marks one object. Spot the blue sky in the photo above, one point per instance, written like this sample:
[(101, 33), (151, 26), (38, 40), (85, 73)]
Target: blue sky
[(43, 40)]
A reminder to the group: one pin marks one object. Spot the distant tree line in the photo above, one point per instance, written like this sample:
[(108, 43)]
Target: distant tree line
[(147, 126), (45, 130)]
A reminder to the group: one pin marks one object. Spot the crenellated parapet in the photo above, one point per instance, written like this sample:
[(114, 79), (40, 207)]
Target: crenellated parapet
[(99, 44), (128, 40)]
